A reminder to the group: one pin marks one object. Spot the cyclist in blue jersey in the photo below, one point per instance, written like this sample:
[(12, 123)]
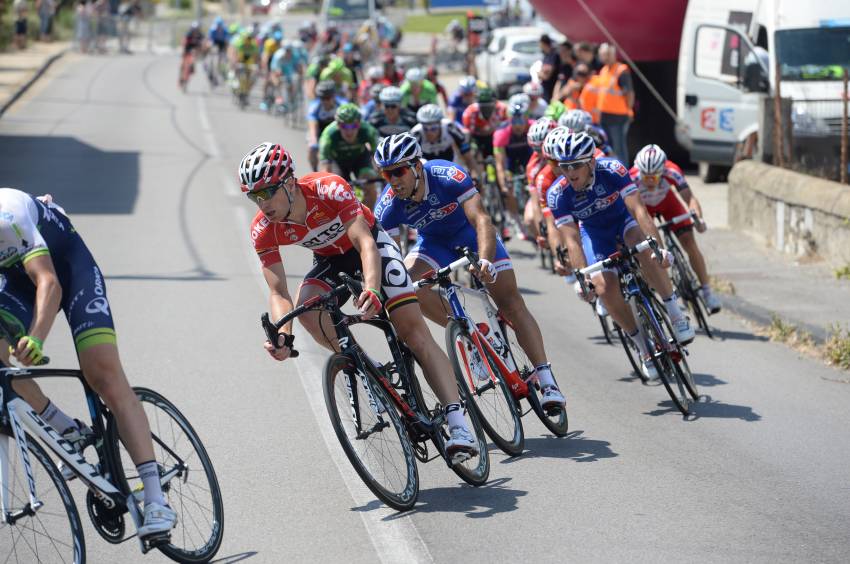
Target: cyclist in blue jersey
[(321, 113), (284, 70), (218, 35), (596, 206), (463, 97), (45, 266), (438, 199)]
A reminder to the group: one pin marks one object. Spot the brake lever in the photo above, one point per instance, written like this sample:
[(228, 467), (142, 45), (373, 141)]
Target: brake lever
[(272, 334)]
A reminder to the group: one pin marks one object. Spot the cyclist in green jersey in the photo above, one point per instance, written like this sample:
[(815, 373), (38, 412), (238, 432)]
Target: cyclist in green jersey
[(349, 144), (416, 90)]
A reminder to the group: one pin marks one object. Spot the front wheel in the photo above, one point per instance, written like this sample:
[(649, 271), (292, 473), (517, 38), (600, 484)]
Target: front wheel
[(485, 386), (192, 489)]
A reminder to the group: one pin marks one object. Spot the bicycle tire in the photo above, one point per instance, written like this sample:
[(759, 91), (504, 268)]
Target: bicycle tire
[(474, 471), (603, 322), (28, 536), (558, 424), (400, 497), (683, 374), (632, 352), (502, 422), (661, 357), (699, 309), (687, 286), (182, 493)]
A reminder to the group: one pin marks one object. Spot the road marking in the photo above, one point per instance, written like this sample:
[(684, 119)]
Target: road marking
[(395, 538), (212, 146)]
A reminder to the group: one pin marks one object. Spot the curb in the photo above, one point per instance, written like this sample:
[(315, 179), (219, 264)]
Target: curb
[(50, 60), (764, 316)]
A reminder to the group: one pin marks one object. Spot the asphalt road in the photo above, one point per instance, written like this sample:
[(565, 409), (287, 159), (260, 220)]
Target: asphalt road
[(147, 175)]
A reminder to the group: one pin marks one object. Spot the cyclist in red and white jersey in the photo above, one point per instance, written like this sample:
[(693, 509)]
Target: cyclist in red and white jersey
[(484, 117), (319, 211), (665, 192), (543, 181)]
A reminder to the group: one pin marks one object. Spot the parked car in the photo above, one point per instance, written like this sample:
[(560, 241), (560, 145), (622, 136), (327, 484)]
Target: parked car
[(508, 57)]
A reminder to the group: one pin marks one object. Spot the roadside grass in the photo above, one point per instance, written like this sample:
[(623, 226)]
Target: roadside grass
[(721, 285), (842, 273), (432, 23), (63, 25), (837, 347), (835, 351)]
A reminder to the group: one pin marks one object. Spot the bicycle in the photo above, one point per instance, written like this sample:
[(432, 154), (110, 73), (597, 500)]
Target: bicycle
[(546, 254), (474, 347), (187, 68), (381, 407), (603, 319), (686, 281), (491, 195), (668, 356), (30, 514)]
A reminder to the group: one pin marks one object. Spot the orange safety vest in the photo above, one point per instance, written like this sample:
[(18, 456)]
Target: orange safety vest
[(571, 101), (589, 96), (612, 99)]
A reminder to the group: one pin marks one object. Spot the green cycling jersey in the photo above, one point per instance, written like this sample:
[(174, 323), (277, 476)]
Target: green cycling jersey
[(333, 148)]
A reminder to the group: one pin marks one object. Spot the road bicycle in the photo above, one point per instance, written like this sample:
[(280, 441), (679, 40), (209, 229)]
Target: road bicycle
[(40, 521), (608, 326), (491, 196), (668, 356), (496, 371), (378, 411), (686, 281)]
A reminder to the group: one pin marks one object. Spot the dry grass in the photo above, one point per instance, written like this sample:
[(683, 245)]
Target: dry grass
[(721, 285), (837, 348)]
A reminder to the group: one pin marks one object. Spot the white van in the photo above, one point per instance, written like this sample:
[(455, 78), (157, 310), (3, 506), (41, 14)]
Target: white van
[(727, 65)]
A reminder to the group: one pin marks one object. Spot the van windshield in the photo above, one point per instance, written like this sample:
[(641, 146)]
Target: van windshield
[(348, 9), (813, 54)]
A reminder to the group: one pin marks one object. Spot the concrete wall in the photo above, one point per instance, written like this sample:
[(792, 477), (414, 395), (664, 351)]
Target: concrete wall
[(795, 213)]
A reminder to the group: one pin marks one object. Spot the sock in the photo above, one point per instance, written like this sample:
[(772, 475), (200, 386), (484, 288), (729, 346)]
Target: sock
[(56, 418), (149, 474), (640, 343), (454, 416), (705, 289), (672, 305), (544, 374)]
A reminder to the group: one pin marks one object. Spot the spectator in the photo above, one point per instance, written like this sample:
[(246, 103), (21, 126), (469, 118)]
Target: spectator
[(101, 10), (85, 25), (21, 10), (565, 69), (549, 69), (570, 93), (46, 10), (127, 12), (616, 100), (585, 54)]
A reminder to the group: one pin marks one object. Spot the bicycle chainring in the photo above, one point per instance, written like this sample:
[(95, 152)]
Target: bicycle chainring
[(109, 523)]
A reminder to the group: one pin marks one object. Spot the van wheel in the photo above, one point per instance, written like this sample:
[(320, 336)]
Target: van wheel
[(710, 173)]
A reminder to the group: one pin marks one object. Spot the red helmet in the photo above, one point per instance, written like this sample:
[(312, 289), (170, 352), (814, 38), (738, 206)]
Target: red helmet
[(265, 165)]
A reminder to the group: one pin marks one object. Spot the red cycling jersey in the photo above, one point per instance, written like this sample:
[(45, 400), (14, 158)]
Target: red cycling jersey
[(478, 125), (534, 166), (544, 179), (331, 203)]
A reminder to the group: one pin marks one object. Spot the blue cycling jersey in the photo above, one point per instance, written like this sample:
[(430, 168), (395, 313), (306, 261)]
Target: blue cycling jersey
[(316, 112), (456, 102), (286, 67), (599, 206), (218, 34)]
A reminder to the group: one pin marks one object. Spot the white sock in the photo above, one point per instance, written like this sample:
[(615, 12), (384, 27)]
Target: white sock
[(56, 418), (639, 342), (149, 474), (454, 416), (672, 305), (544, 374)]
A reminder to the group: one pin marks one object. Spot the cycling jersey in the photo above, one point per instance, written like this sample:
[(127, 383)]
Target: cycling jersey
[(324, 116), (456, 102), (192, 40), (287, 67), (534, 166), (600, 208), (451, 134), (439, 218), (331, 204), (663, 200), (246, 49), (515, 146), (542, 183), (379, 121), (333, 148), (482, 129), (30, 228), (427, 95), (218, 35)]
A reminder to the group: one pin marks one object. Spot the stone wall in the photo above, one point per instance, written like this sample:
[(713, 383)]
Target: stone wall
[(795, 213)]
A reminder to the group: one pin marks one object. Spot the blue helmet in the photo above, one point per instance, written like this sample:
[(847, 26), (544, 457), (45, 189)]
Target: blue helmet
[(574, 147), (397, 149)]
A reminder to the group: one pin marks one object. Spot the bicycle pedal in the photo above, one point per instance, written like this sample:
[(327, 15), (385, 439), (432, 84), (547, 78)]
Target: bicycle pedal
[(154, 541)]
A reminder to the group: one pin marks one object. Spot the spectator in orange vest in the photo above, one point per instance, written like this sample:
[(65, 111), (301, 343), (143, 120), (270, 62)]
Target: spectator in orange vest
[(570, 93), (589, 97), (615, 100)]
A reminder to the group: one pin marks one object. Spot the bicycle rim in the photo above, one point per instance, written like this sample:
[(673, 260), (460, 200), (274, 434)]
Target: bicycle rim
[(661, 357), (371, 433), (54, 533), (491, 398), (193, 493), (556, 421)]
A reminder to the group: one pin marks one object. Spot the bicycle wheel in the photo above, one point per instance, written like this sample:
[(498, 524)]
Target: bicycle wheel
[(371, 433), (54, 533), (476, 470), (632, 352), (603, 322), (555, 420), (655, 324), (193, 492), (679, 357), (493, 402)]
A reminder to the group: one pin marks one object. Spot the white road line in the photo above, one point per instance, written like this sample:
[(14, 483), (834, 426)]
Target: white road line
[(212, 146), (395, 540)]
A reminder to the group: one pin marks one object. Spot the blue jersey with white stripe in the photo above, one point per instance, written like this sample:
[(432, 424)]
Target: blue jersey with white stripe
[(598, 207), (440, 214)]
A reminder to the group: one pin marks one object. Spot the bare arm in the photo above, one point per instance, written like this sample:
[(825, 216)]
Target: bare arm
[(280, 302), (570, 235), (499, 156), (691, 201), (485, 234), (360, 234), (48, 294), (638, 211)]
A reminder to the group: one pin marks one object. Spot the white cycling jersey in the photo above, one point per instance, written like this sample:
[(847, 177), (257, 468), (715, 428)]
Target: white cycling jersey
[(451, 133)]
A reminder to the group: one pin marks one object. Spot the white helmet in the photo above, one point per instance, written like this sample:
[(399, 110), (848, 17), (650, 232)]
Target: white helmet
[(551, 141), (429, 113), (390, 95), (575, 146), (539, 130), (651, 160), (414, 74), (576, 119), (533, 89)]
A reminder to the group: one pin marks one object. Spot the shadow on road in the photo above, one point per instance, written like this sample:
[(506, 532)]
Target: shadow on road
[(574, 446), (199, 277), (529, 291), (709, 408), (82, 178), (708, 380), (477, 503), (235, 558), (723, 335)]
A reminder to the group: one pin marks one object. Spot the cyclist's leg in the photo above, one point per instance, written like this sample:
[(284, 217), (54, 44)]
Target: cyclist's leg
[(689, 243), (322, 278), (658, 278), (433, 306), (598, 246)]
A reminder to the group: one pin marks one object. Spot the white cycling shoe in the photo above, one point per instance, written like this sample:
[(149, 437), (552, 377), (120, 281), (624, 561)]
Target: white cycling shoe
[(712, 302), (682, 330), (600, 308), (647, 367), (552, 398), (461, 445), (78, 436), (159, 520)]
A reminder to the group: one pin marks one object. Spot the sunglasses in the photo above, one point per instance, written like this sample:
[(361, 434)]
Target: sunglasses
[(573, 165), (651, 177), (431, 127), (349, 126), (394, 173), (391, 106), (267, 193)]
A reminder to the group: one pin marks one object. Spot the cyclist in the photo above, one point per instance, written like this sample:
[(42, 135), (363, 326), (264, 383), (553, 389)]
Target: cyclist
[(662, 188), (269, 46), (464, 96), (537, 106), (392, 75), (391, 117), (595, 205), (314, 69), (319, 212), (351, 58), (374, 75), (440, 137), (416, 90), (193, 43), (484, 117), (438, 199), (243, 56), (284, 69), (536, 164), (307, 34), (219, 36), (512, 153), (341, 76), (320, 114), (45, 266), (367, 109), (432, 75), (348, 143)]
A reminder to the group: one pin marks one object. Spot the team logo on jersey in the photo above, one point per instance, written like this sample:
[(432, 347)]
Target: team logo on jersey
[(259, 227), (458, 175), (440, 213), (451, 172), (329, 233), (599, 189)]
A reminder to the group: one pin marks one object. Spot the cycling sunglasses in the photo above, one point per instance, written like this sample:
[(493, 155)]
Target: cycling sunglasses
[(431, 127), (651, 177), (391, 106), (349, 126), (267, 193), (394, 173), (573, 165)]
